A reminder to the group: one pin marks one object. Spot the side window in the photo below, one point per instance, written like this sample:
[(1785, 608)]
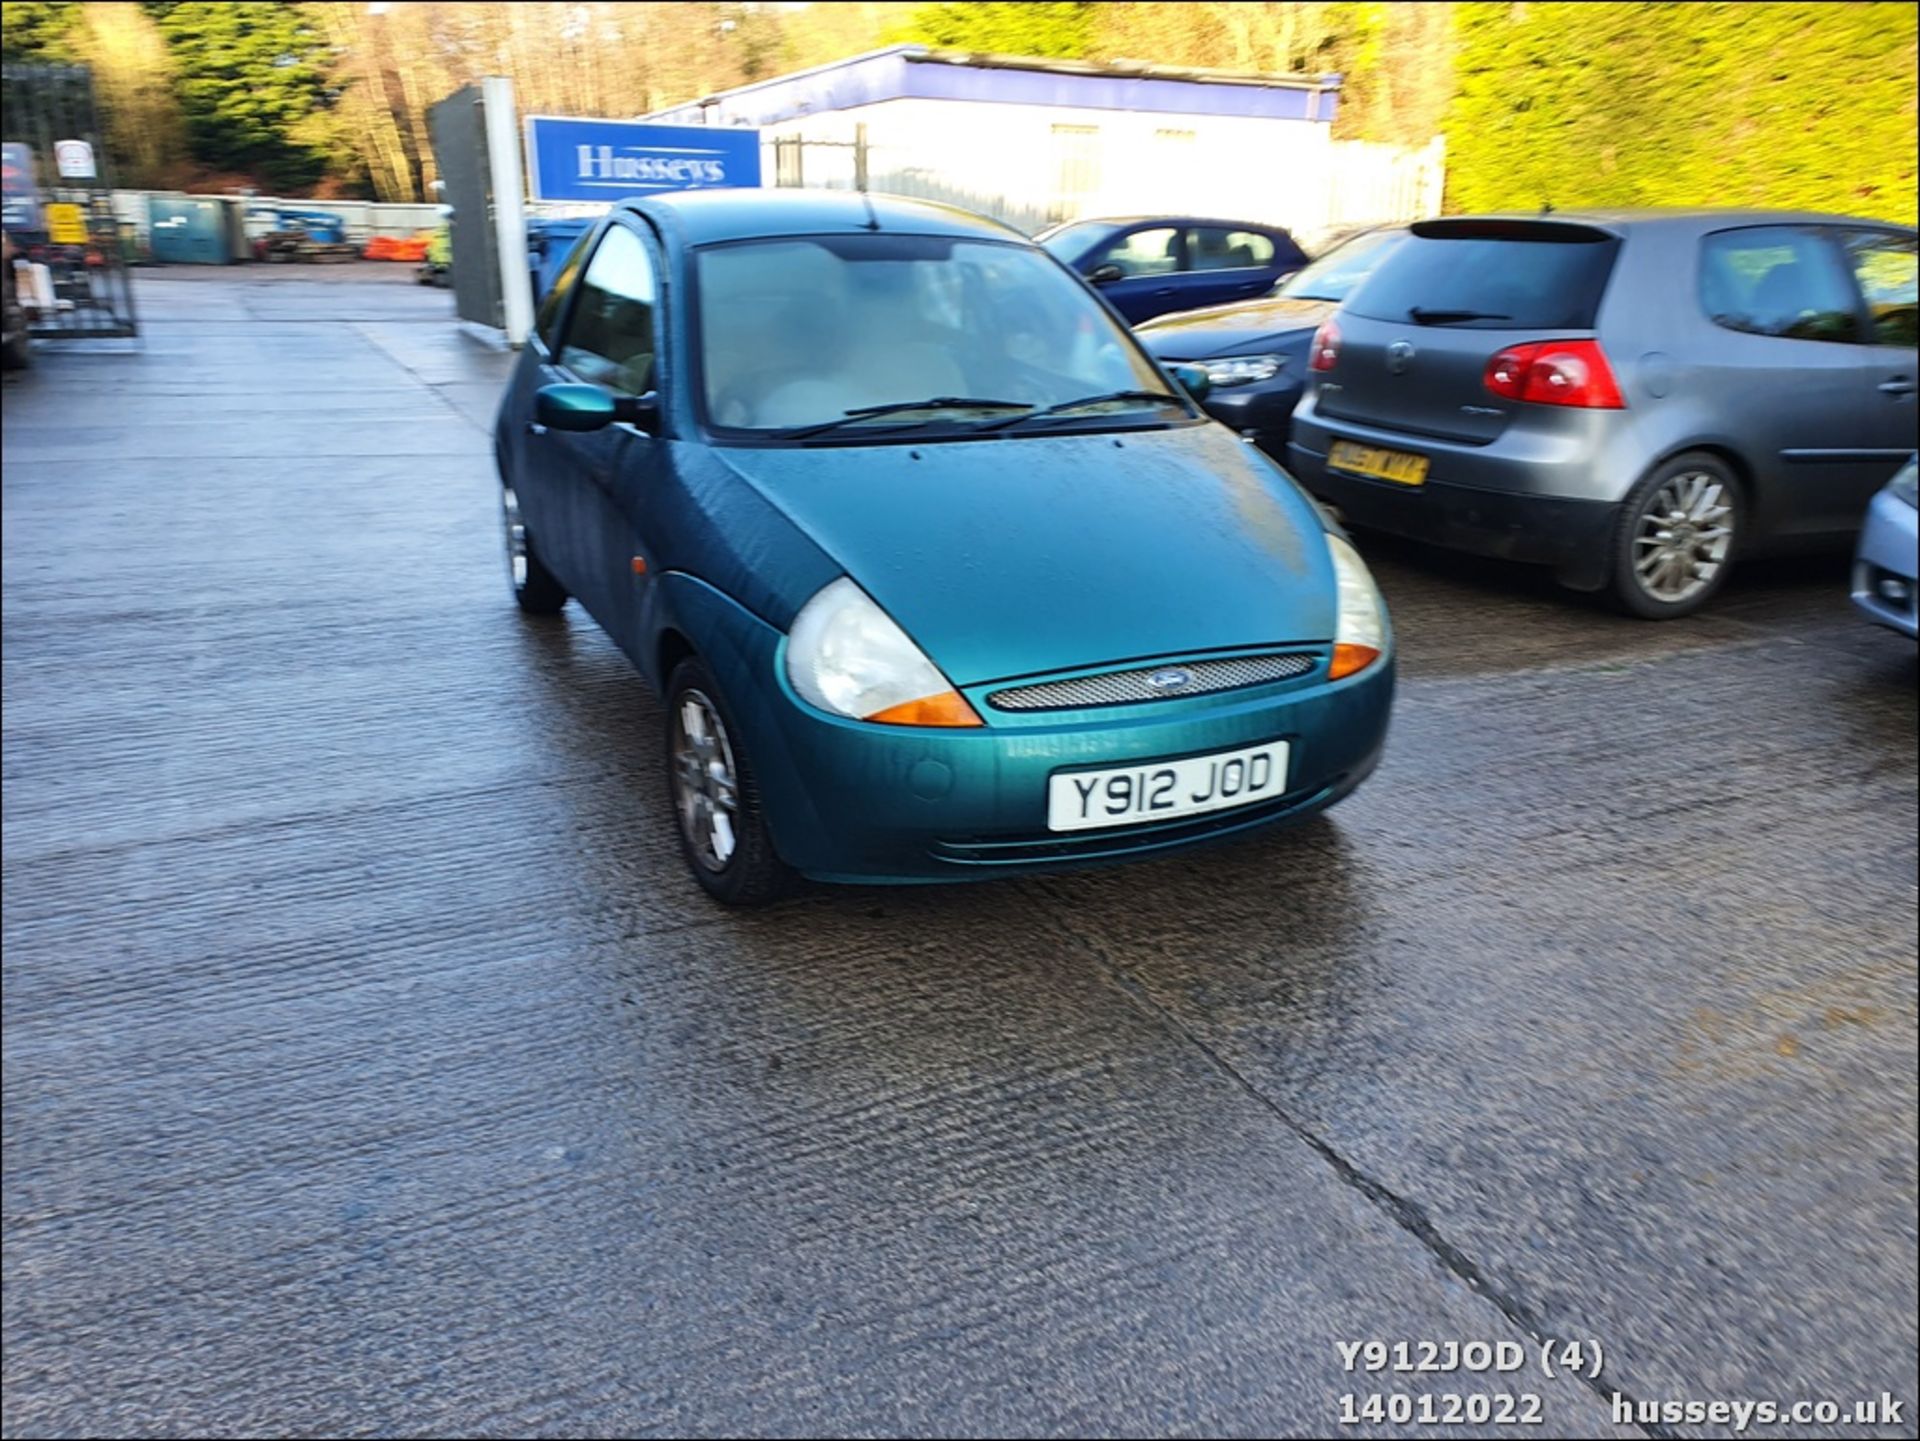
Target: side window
[(1145, 252), (609, 340), (546, 324), (1884, 264), (1214, 247), (1777, 280)]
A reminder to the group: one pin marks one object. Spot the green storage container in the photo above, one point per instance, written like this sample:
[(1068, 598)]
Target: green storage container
[(191, 230)]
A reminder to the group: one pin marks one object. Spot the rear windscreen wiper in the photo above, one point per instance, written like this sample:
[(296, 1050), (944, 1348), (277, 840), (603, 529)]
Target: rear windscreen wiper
[(1164, 397), (902, 407), (1450, 317)]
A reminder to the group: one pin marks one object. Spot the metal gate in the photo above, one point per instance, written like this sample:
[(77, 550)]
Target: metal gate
[(59, 205), (459, 128)]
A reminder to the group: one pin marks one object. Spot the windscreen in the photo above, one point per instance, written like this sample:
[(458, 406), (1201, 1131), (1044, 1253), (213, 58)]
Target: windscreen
[(1539, 277), (1069, 242), (1334, 275), (801, 331)]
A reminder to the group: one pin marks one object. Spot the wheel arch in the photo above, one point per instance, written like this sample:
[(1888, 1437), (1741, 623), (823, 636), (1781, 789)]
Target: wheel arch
[(1728, 455), (669, 650)]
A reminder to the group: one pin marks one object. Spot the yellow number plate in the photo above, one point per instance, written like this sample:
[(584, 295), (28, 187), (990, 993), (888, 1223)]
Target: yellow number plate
[(1394, 465)]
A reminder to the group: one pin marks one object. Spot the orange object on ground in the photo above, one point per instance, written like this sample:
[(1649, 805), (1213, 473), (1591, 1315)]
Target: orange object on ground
[(385, 247)]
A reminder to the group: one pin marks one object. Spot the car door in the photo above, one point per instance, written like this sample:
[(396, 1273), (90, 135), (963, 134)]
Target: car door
[(528, 463), (1884, 267), (1224, 264), (1787, 362), (1147, 258), (606, 477)]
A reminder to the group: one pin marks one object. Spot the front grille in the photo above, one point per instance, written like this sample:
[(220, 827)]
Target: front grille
[(1124, 687)]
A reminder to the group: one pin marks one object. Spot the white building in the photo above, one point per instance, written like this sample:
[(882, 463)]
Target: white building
[(1038, 141)]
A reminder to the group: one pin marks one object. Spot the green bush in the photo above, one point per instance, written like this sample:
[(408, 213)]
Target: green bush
[(1795, 105)]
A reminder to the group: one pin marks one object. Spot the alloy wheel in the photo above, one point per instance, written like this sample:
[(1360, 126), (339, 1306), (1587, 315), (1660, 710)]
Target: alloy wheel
[(706, 787), (1683, 536), (516, 536)]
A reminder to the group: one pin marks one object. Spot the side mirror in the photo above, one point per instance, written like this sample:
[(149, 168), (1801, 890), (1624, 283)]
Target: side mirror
[(1106, 274), (592, 407), (1194, 380)]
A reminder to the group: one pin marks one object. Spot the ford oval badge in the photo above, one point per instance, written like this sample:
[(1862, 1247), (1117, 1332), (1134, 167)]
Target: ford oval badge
[(1171, 679)]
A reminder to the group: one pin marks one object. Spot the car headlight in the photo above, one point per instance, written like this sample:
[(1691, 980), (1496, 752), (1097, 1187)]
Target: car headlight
[(845, 655), (1360, 633), (1241, 369), (1906, 485)]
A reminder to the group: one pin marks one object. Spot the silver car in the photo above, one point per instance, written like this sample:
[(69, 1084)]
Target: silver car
[(1632, 397), (1884, 565)]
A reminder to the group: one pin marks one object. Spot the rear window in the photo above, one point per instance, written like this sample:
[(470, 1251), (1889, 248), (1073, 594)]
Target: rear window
[(1487, 277)]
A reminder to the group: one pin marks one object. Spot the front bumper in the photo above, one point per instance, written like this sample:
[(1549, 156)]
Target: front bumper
[(1884, 564), (848, 801), (1262, 411)]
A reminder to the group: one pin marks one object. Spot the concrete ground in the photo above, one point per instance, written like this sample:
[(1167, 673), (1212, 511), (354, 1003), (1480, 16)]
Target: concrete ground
[(371, 1066)]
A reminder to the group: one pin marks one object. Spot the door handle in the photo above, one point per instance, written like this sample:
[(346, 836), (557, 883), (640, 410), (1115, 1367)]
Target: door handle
[(1899, 385), (1163, 292)]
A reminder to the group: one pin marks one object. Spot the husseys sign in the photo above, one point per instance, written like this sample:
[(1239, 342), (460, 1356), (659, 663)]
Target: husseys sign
[(570, 159)]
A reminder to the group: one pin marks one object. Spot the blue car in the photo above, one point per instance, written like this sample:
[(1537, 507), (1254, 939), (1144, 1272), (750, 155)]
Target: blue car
[(1884, 565), (1255, 352), (939, 574), (1148, 266)]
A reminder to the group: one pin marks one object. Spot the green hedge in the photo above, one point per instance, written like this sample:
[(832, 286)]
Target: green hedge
[(1801, 105)]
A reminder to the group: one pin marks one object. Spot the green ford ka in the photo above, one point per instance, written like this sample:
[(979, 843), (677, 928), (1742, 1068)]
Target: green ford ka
[(939, 574)]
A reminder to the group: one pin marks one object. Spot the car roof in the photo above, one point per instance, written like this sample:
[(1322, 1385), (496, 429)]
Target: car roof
[(1701, 218), (704, 217), (1169, 220)]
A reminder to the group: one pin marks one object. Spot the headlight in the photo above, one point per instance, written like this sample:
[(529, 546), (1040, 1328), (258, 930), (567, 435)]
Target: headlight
[(1906, 485), (845, 655), (1360, 633), (1241, 369)]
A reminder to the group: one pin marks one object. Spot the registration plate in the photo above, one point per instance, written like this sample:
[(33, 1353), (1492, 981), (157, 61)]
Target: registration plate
[(1166, 790), (1369, 460)]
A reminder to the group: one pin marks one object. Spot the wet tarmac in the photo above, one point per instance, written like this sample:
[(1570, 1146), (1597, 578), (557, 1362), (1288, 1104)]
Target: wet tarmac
[(372, 1067)]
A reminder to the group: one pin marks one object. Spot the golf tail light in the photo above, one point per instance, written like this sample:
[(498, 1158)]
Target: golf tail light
[(1555, 372), (1325, 352), (848, 657)]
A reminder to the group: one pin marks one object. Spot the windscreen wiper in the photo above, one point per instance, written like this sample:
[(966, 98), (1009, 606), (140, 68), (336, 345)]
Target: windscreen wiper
[(1450, 317), (1164, 397), (902, 407)]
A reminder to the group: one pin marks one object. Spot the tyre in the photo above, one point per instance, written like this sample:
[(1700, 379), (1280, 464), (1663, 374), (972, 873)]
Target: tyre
[(716, 802), (534, 586), (1675, 538), (16, 354)]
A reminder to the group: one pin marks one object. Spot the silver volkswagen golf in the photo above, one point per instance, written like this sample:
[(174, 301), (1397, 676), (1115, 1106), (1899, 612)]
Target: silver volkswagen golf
[(1635, 398)]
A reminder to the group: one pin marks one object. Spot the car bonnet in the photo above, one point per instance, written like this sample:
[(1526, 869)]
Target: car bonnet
[(1026, 555)]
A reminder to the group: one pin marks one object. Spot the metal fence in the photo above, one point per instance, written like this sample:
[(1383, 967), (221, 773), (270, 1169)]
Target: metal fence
[(1318, 191), (859, 164), (71, 269), (363, 219)]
